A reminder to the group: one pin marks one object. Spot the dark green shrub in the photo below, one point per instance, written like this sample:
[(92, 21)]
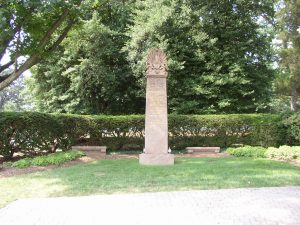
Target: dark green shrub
[(116, 132), (27, 132), (248, 151), (225, 130), (73, 128)]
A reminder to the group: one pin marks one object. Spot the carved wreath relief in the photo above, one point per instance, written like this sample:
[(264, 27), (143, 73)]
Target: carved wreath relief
[(157, 63)]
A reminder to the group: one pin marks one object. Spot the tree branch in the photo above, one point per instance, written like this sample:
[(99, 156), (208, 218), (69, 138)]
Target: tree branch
[(53, 28), (15, 74), (37, 56), (6, 41), (61, 37), (5, 66), (5, 44), (2, 78), (34, 59), (17, 50)]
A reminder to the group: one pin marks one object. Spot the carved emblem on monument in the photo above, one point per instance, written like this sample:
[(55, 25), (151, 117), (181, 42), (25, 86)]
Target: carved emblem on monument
[(157, 63)]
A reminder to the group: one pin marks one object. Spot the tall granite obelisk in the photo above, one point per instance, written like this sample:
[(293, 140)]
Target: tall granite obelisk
[(156, 124)]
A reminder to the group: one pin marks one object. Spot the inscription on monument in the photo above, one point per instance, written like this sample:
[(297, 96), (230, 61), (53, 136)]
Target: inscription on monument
[(156, 124), (156, 84)]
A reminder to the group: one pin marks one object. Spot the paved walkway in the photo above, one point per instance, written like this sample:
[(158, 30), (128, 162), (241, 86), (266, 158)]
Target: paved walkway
[(262, 206)]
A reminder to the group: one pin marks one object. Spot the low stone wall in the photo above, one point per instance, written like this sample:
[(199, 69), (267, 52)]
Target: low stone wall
[(192, 150), (102, 149)]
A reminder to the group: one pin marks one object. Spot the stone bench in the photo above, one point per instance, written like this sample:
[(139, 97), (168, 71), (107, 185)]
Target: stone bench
[(94, 149), (200, 150)]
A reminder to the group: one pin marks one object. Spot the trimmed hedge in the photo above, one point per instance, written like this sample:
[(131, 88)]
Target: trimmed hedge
[(226, 130), (27, 132), (31, 132)]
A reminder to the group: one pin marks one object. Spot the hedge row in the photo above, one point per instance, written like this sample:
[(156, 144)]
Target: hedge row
[(31, 132)]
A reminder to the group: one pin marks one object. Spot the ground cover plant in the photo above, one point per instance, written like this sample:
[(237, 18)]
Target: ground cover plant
[(126, 175), (51, 159), (248, 151), (282, 153)]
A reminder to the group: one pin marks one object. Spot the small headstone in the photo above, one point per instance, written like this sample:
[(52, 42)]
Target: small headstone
[(156, 123)]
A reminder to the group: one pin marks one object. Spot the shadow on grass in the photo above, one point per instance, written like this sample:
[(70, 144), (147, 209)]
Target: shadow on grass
[(126, 175)]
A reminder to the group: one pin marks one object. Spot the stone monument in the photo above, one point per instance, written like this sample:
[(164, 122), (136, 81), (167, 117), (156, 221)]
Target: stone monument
[(156, 123)]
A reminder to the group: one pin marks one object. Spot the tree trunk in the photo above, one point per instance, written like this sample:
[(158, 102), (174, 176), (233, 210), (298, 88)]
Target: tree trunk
[(294, 98)]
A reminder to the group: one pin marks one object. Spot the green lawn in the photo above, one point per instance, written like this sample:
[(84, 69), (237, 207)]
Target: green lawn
[(126, 175)]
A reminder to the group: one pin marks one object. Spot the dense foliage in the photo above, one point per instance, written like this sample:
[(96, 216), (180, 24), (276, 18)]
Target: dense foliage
[(218, 55), (90, 74), (218, 52), (34, 132)]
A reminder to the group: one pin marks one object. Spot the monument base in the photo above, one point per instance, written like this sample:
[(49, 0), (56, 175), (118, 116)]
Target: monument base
[(156, 159)]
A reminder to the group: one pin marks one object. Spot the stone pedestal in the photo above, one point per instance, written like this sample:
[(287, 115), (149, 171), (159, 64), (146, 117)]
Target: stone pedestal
[(156, 159), (156, 123)]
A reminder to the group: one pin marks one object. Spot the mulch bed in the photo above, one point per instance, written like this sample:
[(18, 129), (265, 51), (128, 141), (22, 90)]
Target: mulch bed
[(7, 171)]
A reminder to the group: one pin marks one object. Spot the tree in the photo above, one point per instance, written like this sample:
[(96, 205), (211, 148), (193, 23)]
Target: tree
[(288, 80), (219, 56), (89, 74), (31, 30), (219, 52)]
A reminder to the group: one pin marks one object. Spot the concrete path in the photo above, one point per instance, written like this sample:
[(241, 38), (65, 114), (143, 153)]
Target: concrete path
[(264, 206)]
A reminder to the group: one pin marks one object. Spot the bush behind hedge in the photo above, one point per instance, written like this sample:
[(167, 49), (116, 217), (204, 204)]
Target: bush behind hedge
[(31, 132)]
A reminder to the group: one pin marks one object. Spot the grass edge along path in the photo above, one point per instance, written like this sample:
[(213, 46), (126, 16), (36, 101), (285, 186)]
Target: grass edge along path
[(127, 176)]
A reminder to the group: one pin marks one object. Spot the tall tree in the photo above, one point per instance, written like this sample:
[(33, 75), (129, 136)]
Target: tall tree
[(31, 30), (89, 74), (288, 80), (219, 52), (219, 58)]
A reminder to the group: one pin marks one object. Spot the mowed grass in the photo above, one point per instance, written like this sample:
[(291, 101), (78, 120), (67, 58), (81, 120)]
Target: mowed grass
[(127, 176)]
